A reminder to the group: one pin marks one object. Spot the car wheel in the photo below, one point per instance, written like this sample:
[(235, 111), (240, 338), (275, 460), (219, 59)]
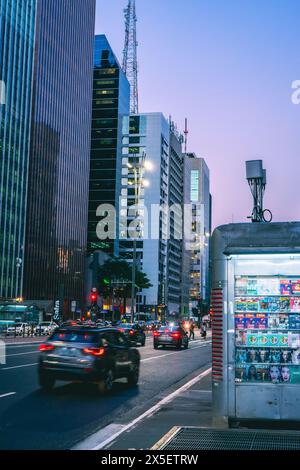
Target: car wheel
[(46, 382), (133, 376), (186, 345), (155, 346), (143, 342), (178, 346), (106, 385)]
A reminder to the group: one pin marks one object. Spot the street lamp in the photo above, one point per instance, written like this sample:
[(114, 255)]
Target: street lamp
[(138, 171)]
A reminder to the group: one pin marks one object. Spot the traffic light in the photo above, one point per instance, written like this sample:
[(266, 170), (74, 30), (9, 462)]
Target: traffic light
[(94, 295)]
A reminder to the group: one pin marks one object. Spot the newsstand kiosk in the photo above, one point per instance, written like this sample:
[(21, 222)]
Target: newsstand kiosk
[(256, 322)]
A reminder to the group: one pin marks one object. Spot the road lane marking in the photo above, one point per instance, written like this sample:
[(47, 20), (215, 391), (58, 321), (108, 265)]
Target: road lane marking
[(170, 354), (19, 367), (86, 445), (8, 394), (22, 354)]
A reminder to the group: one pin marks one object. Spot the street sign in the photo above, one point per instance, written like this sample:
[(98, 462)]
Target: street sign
[(73, 306)]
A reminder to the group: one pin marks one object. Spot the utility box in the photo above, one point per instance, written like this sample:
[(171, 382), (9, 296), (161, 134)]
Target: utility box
[(256, 322)]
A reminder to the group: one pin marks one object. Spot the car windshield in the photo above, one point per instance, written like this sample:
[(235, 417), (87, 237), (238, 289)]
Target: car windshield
[(74, 336), (126, 326)]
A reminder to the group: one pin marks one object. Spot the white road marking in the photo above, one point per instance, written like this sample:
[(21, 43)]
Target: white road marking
[(22, 354), (85, 445), (19, 367), (171, 354), (8, 394)]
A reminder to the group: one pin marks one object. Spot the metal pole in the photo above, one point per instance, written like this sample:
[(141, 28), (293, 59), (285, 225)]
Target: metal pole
[(134, 250)]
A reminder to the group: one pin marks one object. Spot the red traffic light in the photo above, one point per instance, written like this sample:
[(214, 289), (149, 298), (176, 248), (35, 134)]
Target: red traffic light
[(93, 297)]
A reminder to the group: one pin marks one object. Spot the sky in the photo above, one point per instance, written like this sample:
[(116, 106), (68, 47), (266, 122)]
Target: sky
[(228, 66)]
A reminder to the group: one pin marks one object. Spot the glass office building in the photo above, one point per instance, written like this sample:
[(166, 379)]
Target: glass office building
[(60, 151), (111, 101), (17, 34)]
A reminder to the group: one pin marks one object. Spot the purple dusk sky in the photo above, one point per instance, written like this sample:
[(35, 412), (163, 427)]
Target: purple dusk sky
[(228, 66)]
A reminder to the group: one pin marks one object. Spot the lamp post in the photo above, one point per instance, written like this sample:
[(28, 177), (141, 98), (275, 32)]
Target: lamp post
[(138, 172)]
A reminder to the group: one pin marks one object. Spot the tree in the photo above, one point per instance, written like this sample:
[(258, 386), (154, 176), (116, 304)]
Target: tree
[(115, 279)]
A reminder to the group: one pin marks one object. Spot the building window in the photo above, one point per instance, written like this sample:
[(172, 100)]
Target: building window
[(194, 185)]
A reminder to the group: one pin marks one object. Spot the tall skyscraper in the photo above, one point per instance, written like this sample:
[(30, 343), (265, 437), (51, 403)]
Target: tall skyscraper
[(111, 101), (59, 154), (196, 248), (17, 33), (177, 290), (147, 134)]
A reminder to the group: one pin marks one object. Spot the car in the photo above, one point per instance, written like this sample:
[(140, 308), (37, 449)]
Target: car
[(18, 329), (87, 354), (174, 336), (45, 328), (134, 333)]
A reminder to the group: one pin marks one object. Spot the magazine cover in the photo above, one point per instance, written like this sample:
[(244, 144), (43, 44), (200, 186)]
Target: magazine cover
[(275, 355), (285, 357), (252, 305), (285, 287), (295, 375), (239, 321), (295, 305), (293, 340), (268, 286), (240, 356), (263, 373), (263, 356), (261, 321), (294, 322), (284, 304), (241, 286), (262, 339), (252, 339), (241, 373), (240, 338), (241, 305), (296, 356), (252, 287), (296, 287), (275, 374), (273, 320), (251, 356), (249, 321), (283, 321)]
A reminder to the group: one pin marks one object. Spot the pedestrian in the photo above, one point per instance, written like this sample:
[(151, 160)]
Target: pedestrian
[(192, 327), (203, 331)]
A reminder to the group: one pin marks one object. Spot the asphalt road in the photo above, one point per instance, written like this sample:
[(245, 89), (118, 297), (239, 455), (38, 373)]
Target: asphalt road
[(30, 419)]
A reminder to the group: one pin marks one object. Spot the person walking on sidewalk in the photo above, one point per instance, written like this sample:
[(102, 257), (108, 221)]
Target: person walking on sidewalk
[(192, 327)]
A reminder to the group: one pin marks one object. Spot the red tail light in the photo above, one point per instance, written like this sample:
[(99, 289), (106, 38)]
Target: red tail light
[(121, 330), (176, 335), (131, 332), (46, 347), (94, 351), (156, 333)]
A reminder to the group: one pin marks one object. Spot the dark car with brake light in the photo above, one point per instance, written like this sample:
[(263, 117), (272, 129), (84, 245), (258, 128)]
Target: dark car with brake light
[(87, 354)]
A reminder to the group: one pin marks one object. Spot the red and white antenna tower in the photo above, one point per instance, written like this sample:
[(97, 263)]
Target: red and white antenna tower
[(130, 63)]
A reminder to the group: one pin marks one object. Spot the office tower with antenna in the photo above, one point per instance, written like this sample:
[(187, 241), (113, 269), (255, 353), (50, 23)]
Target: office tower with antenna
[(130, 63)]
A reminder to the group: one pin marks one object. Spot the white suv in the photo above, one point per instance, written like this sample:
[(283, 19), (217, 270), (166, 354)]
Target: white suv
[(19, 329)]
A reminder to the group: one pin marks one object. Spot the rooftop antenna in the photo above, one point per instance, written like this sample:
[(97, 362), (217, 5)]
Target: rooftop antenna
[(186, 132), (130, 64), (257, 180)]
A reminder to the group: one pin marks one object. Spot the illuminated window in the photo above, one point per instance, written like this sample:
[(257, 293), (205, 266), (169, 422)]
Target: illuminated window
[(194, 185)]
